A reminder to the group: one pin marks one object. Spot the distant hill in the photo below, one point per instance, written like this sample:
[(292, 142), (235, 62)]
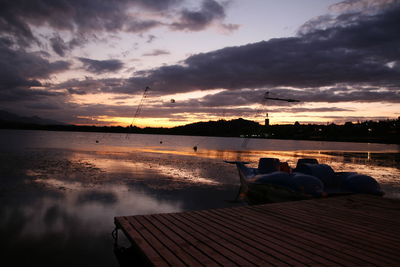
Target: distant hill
[(235, 127), (8, 117)]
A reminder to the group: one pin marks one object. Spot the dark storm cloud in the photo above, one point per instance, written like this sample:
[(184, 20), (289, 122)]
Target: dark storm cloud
[(150, 38), (326, 109), (43, 106), (365, 51), (363, 5), (142, 25), (58, 45), (329, 95), (157, 52), (86, 15), (347, 13), (73, 91), (25, 94), (226, 98), (160, 111), (91, 86), (101, 66), (157, 4), (17, 17), (62, 47), (341, 94), (23, 69), (6, 42), (209, 12), (233, 99)]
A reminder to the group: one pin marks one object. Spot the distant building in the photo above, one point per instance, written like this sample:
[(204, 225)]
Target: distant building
[(266, 120)]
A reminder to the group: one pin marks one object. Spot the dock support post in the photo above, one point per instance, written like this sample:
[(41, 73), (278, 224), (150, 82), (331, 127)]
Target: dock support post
[(114, 234)]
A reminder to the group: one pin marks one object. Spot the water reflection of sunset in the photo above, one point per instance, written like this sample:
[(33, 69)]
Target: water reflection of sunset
[(141, 170), (175, 165)]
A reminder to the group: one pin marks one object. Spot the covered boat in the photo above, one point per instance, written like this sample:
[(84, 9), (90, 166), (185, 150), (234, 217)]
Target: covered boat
[(275, 181)]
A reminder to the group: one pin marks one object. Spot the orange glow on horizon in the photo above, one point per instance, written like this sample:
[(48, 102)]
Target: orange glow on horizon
[(138, 122), (304, 114), (169, 123)]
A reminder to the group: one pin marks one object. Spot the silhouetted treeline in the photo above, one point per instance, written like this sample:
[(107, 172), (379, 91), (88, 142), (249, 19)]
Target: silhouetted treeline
[(384, 131)]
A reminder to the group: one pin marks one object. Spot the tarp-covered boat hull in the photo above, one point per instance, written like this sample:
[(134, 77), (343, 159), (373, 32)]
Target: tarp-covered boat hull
[(309, 179)]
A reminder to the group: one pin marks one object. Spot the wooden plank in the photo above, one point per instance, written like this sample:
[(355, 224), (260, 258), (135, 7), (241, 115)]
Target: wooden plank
[(232, 251), (246, 233), (379, 244), (323, 241), (371, 205), (361, 251), (361, 205), (358, 211), (356, 216), (137, 239), (299, 239), (362, 225), (281, 237), (254, 251), (367, 230), (170, 243), (182, 240), (165, 253), (202, 242), (374, 201)]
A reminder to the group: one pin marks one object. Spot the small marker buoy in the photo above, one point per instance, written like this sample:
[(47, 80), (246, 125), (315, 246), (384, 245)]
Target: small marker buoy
[(160, 142), (195, 148), (97, 141)]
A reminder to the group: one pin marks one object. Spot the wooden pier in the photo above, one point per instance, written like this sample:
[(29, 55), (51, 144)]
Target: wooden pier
[(353, 230)]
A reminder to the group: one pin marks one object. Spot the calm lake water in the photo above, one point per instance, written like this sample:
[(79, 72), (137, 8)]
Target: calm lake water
[(59, 191)]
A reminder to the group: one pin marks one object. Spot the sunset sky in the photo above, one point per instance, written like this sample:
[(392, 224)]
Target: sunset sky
[(89, 61)]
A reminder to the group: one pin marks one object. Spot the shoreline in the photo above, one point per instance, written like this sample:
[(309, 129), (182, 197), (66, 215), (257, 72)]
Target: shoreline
[(293, 132)]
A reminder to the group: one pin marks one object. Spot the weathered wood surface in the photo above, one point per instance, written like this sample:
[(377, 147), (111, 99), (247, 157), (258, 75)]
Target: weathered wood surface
[(350, 230)]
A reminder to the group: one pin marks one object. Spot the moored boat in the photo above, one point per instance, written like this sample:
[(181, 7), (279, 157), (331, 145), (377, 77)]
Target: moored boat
[(275, 181)]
